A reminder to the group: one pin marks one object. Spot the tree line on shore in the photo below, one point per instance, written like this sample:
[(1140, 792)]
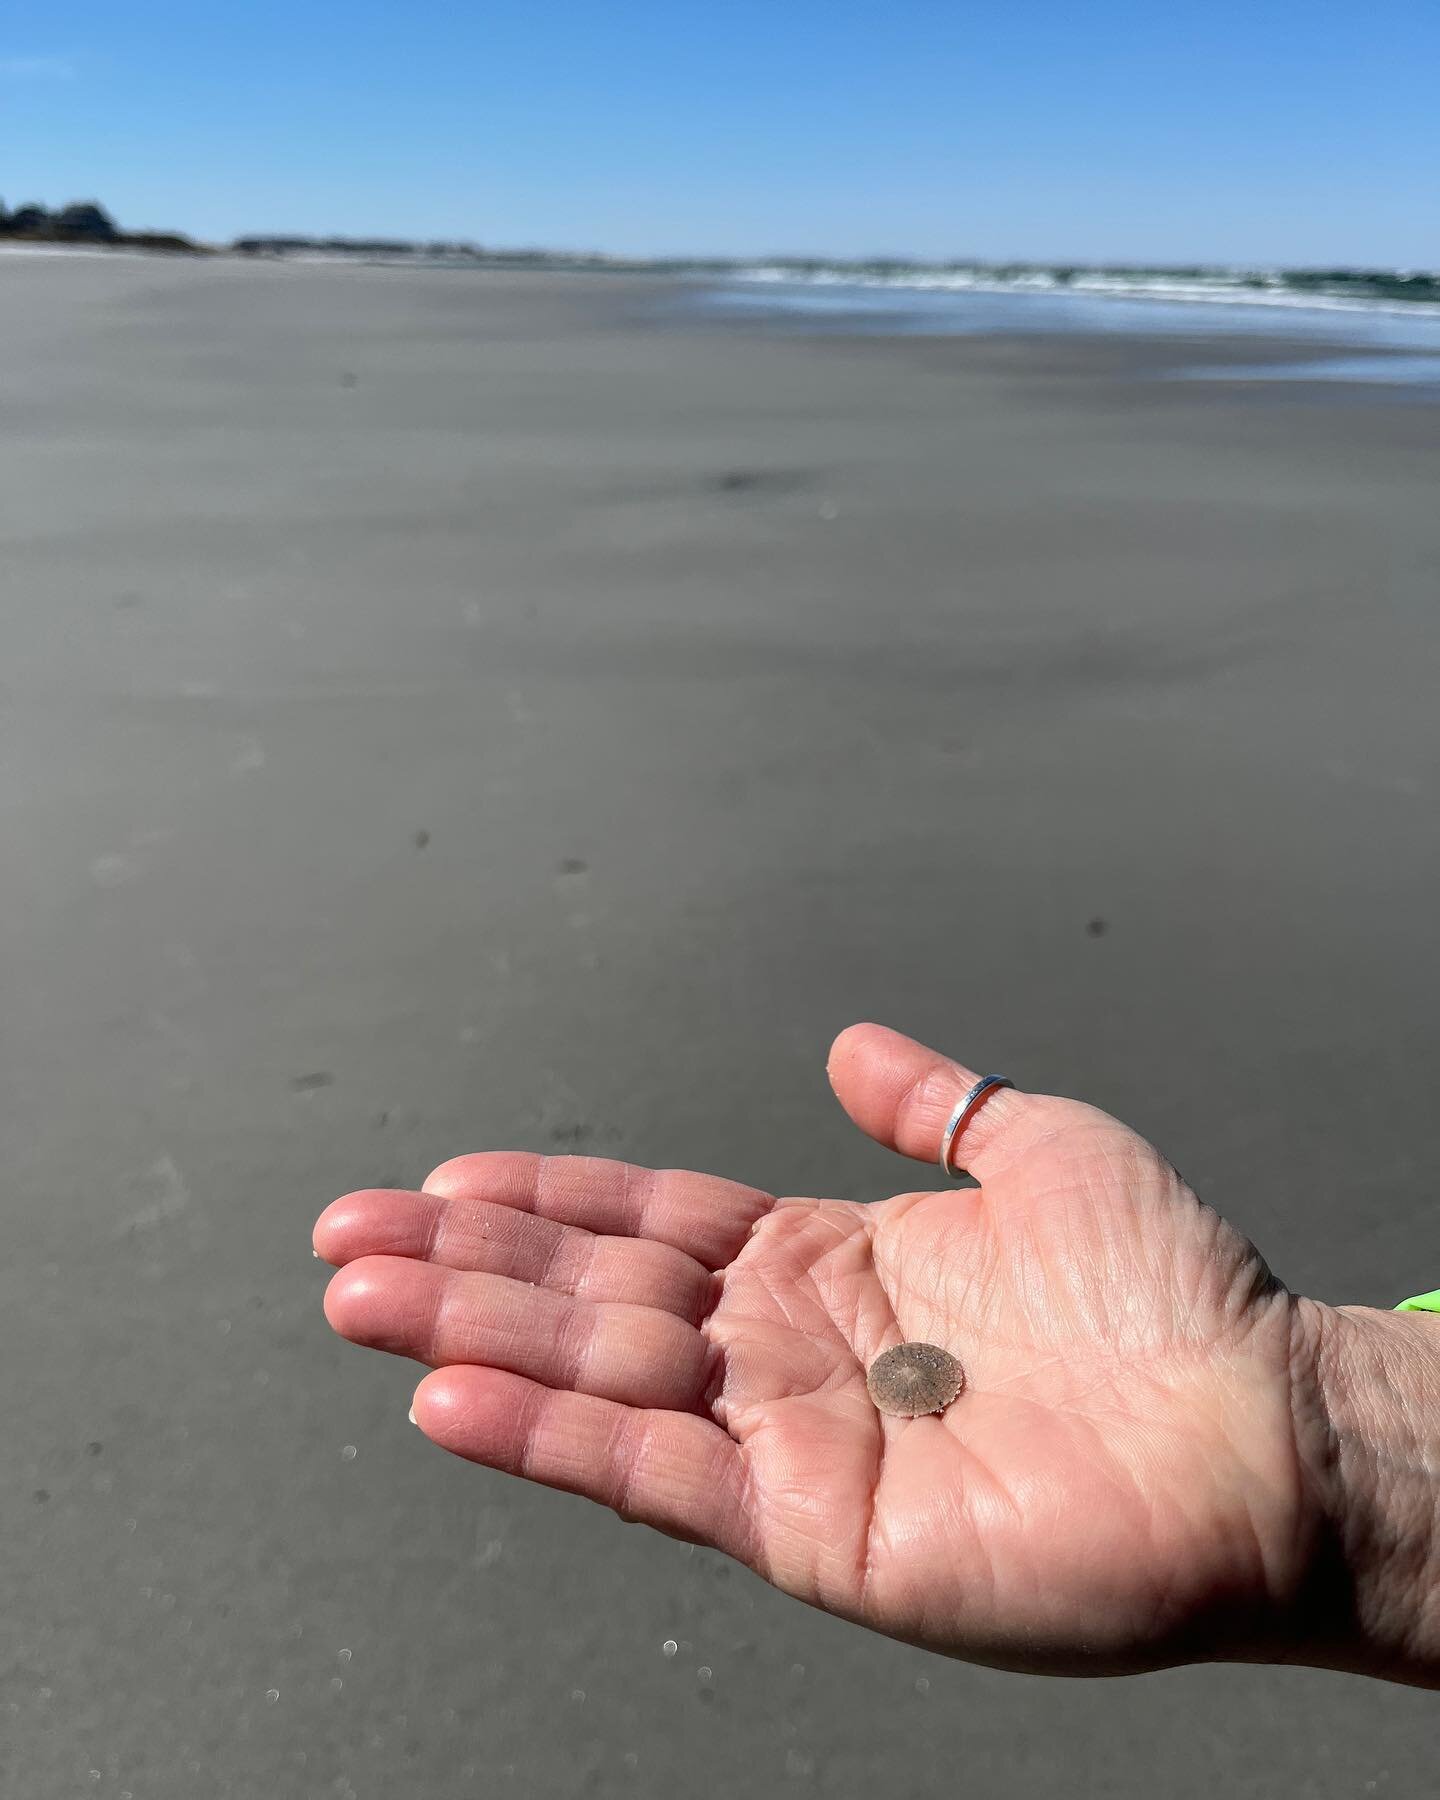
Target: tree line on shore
[(87, 222), (82, 222)]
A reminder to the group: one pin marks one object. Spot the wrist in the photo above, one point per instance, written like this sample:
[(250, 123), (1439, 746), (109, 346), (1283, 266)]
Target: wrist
[(1368, 1418)]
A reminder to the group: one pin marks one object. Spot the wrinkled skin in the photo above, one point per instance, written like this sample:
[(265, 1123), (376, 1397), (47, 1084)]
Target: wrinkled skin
[(1122, 1483)]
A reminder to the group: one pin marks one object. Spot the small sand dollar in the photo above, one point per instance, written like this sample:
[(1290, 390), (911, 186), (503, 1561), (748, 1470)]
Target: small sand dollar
[(913, 1379)]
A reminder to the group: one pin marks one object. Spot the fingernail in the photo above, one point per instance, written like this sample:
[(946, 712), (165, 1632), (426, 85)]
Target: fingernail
[(411, 1416)]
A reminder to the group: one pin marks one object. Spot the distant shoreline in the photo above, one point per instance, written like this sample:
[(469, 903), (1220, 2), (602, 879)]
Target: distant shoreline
[(1196, 281), (85, 226)]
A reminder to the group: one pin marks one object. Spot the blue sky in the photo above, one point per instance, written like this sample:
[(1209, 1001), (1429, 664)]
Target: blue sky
[(1270, 132)]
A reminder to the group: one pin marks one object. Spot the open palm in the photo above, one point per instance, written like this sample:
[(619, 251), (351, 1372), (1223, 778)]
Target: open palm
[(1117, 1486)]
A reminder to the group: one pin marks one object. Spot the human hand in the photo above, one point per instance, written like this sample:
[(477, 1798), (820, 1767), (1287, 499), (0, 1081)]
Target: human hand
[(1141, 1468)]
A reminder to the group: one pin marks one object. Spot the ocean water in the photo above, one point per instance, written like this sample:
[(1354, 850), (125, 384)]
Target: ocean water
[(1377, 326), (1354, 335), (1342, 290)]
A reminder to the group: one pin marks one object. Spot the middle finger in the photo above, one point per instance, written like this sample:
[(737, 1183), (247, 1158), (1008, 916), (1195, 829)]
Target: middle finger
[(632, 1354), (486, 1237)]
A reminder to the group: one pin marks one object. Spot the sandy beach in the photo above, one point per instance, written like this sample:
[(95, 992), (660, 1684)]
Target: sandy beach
[(453, 710)]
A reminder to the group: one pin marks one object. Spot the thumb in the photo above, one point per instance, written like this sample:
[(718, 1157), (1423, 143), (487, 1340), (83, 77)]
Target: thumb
[(902, 1094)]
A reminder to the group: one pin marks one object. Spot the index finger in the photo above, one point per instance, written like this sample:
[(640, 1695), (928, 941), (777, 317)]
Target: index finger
[(706, 1216)]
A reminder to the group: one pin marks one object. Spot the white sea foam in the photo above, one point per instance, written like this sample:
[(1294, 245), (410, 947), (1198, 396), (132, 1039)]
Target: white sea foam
[(1268, 289)]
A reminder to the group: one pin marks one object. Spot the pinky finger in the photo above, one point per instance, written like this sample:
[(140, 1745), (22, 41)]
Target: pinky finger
[(675, 1471)]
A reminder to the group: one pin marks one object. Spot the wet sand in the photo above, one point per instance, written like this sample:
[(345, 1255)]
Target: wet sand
[(444, 711)]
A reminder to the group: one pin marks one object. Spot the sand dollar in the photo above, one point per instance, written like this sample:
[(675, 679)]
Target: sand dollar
[(913, 1379)]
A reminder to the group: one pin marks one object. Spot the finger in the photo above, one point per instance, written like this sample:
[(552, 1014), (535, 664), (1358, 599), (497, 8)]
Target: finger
[(672, 1470), (703, 1215), (483, 1237), (630, 1354), (902, 1094)]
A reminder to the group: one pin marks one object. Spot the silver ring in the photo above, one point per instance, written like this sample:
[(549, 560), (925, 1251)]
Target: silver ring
[(956, 1122)]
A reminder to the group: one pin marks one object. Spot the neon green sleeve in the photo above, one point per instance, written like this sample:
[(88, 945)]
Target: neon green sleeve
[(1421, 1303)]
